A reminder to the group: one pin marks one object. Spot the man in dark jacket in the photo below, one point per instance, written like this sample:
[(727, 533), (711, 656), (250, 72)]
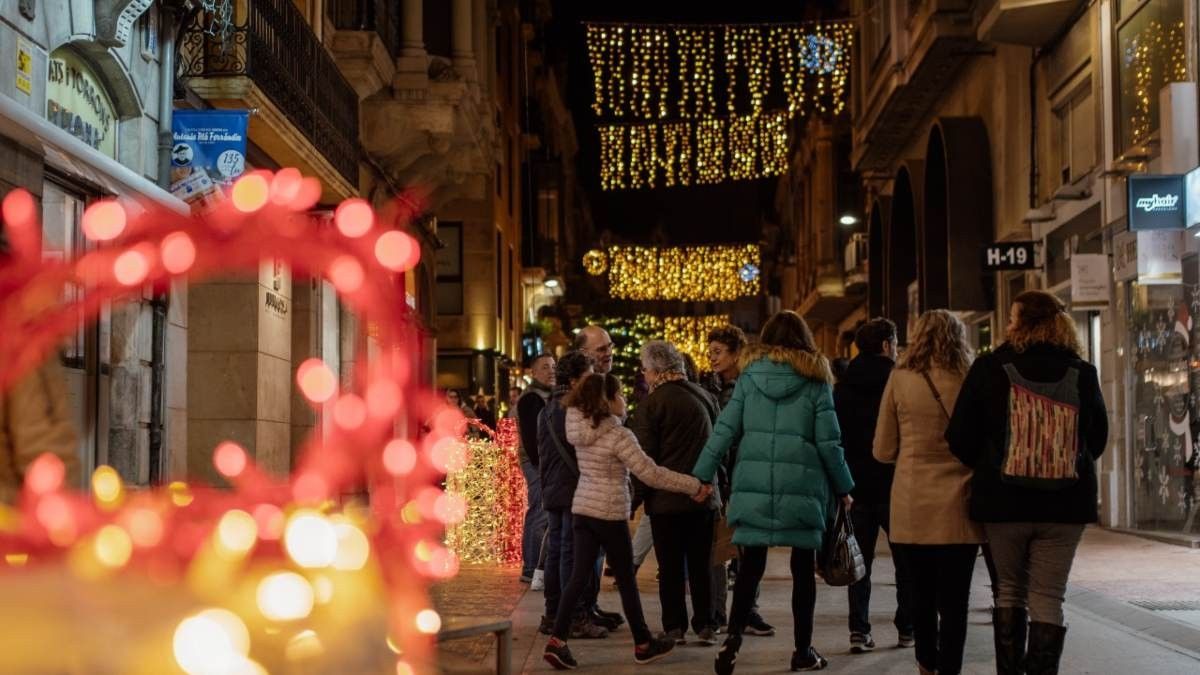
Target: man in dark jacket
[(560, 474), (857, 396), (672, 425), (528, 408)]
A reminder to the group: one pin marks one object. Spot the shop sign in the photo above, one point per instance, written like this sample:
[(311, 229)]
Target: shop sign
[(1089, 279), (1157, 203), (207, 154), (77, 102), (24, 66), (1158, 260), (1125, 258), (1010, 255), (1191, 195), (277, 304)]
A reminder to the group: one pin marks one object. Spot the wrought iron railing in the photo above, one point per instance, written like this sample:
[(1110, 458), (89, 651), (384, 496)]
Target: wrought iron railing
[(380, 16), (276, 48)]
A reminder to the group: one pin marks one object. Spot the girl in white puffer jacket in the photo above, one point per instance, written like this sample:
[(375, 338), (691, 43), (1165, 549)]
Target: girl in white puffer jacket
[(607, 453)]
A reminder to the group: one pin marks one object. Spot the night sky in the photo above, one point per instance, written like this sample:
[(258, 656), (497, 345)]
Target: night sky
[(728, 212)]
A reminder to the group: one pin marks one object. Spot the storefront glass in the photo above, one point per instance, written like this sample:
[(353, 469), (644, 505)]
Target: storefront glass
[(1165, 400)]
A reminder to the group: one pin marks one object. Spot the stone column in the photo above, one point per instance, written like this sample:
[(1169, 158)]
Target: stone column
[(461, 39), (413, 59)]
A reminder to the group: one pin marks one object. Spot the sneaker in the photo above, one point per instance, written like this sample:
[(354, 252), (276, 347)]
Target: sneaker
[(810, 661), (707, 637), (675, 636), (526, 578), (539, 581), (611, 616), (906, 641), (756, 626), (602, 621), (558, 655), (546, 627), (727, 657), (861, 643), (652, 652), (722, 629), (586, 630)]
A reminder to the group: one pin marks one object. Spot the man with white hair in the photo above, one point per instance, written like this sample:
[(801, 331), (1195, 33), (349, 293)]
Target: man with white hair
[(672, 424)]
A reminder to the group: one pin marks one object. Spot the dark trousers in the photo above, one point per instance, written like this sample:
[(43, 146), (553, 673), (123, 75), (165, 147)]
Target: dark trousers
[(535, 521), (868, 520), (560, 557), (590, 535), (941, 592), (683, 546), (752, 565)]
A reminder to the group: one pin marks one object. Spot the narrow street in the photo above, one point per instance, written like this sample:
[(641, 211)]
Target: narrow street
[(1108, 634)]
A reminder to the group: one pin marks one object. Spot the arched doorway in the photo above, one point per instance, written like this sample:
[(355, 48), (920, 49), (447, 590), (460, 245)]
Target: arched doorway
[(900, 241), (958, 220)]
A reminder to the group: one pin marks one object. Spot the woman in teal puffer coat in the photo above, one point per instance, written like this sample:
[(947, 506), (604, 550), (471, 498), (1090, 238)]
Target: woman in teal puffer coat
[(789, 469)]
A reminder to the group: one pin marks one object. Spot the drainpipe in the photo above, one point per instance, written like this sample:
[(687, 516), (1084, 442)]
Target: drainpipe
[(159, 462)]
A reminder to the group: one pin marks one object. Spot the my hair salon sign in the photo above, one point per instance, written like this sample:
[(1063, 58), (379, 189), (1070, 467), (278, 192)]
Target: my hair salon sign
[(1157, 203)]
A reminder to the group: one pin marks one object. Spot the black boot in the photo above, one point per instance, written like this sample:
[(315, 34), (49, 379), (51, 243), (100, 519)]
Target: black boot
[(727, 657), (1045, 648), (1009, 627)]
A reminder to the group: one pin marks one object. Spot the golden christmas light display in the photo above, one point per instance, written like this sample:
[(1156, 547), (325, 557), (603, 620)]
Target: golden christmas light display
[(631, 67), (653, 155), (486, 480), (1155, 56), (688, 273), (689, 334)]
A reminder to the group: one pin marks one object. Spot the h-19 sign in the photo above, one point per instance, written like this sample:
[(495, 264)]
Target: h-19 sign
[(1010, 255)]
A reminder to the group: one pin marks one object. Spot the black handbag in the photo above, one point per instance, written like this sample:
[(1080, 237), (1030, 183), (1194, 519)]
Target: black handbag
[(841, 561)]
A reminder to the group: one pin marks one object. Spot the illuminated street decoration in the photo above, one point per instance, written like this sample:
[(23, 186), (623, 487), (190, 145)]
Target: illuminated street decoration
[(488, 496), (226, 566), (687, 273), (631, 68), (689, 334)]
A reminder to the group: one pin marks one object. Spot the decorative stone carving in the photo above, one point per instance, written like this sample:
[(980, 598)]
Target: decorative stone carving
[(28, 9), (115, 19)]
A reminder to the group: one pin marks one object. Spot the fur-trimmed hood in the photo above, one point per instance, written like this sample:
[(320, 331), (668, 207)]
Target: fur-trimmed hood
[(809, 365)]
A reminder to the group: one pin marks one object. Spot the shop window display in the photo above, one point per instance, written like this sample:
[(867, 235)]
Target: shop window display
[(1165, 340)]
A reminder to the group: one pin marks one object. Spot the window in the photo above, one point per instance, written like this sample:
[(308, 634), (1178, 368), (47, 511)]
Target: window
[(449, 270), (1075, 120), (62, 239), (1151, 52), (148, 28)]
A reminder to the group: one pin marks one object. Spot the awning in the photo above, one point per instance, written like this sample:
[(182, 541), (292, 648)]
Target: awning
[(71, 155)]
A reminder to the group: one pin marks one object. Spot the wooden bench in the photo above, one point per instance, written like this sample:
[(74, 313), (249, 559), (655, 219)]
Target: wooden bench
[(458, 628)]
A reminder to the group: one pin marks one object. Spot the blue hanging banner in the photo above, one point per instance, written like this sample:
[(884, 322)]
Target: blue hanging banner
[(207, 155)]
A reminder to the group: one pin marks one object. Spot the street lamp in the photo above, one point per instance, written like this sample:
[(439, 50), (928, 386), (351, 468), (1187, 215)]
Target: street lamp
[(848, 220), (551, 283)]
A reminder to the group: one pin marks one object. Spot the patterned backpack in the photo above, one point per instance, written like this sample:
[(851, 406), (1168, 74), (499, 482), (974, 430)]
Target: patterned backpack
[(1041, 444)]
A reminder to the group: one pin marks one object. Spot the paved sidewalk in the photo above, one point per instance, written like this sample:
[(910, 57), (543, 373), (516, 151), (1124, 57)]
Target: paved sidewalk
[(1104, 637)]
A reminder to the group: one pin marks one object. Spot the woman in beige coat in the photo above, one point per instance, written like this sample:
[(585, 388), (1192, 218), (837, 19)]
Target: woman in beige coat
[(930, 524), (33, 420)]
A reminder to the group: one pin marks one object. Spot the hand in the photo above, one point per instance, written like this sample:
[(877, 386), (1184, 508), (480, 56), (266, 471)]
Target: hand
[(847, 502), (704, 493)]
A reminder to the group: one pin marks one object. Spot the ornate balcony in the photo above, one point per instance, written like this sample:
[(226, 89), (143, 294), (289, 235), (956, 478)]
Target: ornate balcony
[(271, 61)]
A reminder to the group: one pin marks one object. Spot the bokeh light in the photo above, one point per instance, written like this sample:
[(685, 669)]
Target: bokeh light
[(285, 596), (270, 521), (230, 459), (316, 381), (310, 539), (181, 494), (323, 588), (285, 186), (303, 646), (354, 217), (178, 252), (213, 641), (250, 192), (428, 621), (346, 274), (236, 533), (145, 527), (399, 457), (113, 546), (46, 474), (349, 412), (105, 220), (353, 549), (131, 267), (397, 251), (18, 208), (106, 486)]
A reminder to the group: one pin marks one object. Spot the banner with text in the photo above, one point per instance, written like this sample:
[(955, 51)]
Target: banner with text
[(208, 153)]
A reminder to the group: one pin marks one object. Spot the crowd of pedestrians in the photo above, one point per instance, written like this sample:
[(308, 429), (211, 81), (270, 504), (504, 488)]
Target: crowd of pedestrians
[(945, 454)]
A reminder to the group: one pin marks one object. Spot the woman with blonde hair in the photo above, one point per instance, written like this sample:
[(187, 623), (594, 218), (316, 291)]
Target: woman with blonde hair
[(1031, 422), (931, 527)]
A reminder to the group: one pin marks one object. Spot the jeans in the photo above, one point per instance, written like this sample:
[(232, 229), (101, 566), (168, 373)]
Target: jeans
[(867, 520), (1033, 561), (751, 566), (718, 581), (941, 593), (643, 541), (535, 521), (682, 542), (590, 535), (560, 557)]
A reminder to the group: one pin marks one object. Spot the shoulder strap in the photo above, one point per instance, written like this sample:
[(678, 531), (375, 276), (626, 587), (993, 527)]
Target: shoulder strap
[(562, 450), (936, 396)]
